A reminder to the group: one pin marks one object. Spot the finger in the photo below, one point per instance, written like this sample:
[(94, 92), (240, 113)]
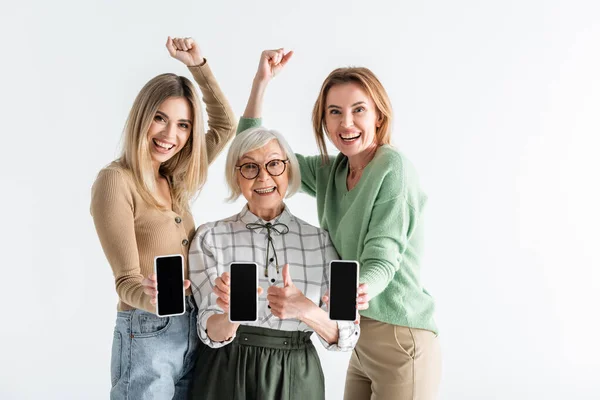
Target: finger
[(189, 42), (149, 282), (150, 291), (276, 312), (287, 279), (222, 285), (225, 278), (273, 301), (179, 44), (153, 301), (286, 58), (280, 55), (362, 306), (363, 298), (220, 294), (272, 56), (187, 283), (224, 305), (259, 290), (171, 47), (274, 291), (268, 54), (184, 45), (176, 44), (325, 299), (363, 288)]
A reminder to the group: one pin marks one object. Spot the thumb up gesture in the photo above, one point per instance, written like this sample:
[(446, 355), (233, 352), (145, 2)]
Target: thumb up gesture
[(288, 301)]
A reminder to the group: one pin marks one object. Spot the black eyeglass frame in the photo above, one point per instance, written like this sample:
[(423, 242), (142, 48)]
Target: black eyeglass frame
[(239, 168)]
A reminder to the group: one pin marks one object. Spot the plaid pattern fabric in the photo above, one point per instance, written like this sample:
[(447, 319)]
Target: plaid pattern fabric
[(306, 248)]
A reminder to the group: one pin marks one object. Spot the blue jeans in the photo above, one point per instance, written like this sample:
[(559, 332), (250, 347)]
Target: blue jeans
[(153, 357)]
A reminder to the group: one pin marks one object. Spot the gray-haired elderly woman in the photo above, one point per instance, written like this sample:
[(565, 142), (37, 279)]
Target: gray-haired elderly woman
[(272, 358)]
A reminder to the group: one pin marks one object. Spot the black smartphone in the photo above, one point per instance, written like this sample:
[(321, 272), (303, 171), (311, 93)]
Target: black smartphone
[(343, 283), (243, 295), (169, 280)]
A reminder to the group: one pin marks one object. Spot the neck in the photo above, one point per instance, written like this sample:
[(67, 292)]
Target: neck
[(156, 170), (267, 214), (359, 161)]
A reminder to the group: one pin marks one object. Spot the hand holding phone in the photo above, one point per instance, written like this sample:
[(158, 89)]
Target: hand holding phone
[(343, 286), (243, 292), (170, 296)]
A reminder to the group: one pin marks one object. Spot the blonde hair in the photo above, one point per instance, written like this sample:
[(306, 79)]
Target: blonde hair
[(368, 82), (253, 139), (186, 171)]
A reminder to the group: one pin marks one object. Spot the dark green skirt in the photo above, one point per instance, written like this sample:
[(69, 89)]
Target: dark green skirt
[(261, 364)]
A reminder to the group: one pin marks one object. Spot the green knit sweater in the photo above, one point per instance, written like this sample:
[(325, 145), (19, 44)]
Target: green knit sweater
[(379, 224)]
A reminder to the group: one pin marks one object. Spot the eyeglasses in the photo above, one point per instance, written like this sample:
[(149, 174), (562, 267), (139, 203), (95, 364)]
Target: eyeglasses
[(251, 170)]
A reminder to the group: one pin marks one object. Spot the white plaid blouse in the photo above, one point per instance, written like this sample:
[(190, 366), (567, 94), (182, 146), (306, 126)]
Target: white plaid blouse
[(306, 248)]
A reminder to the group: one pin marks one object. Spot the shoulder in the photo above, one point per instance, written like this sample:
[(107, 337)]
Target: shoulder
[(208, 229), (390, 159), (114, 180), (113, 175), (309, 229), (394, 171)]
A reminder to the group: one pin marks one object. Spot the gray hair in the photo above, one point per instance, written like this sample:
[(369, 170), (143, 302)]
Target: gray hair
[(253, 139)]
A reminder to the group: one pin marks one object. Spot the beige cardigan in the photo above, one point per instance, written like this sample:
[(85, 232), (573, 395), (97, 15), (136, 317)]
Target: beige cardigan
[(133, 232)]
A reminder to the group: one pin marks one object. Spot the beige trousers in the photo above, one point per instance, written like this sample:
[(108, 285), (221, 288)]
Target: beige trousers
[(393, 362)]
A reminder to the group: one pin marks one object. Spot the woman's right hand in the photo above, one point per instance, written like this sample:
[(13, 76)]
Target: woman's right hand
[(271, 63), (222, 290)]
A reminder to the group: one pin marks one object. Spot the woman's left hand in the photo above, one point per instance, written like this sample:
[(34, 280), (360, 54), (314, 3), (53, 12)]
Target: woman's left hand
[(185, 50), (288, 301)]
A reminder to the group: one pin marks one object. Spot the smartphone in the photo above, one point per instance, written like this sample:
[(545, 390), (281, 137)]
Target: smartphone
[(243, 295), (169, 279), (343, 284)]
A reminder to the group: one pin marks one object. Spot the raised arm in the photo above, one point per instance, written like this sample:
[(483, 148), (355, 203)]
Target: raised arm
[(221, 120), (270, 64)]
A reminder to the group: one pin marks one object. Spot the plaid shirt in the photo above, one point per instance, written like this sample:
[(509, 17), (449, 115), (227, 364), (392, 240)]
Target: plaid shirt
[(306, 248)]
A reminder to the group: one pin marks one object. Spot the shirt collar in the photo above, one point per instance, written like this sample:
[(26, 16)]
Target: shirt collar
[(247, 217)]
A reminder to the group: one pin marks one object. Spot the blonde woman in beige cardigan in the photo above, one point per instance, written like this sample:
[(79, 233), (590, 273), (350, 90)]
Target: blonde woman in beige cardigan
[(140, 205)]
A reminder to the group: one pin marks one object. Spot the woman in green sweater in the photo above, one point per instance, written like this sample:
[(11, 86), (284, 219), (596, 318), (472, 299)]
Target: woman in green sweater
[(370, 201)]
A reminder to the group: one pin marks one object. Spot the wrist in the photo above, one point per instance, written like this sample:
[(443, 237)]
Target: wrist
[(198, 64), (308, 311), (259, 83)]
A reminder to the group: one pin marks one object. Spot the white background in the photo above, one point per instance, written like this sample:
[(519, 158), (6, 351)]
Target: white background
[(497, 103)]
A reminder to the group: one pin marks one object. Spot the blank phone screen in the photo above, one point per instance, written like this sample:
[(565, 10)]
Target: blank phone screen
[(169, 279), (243, 296), (342, 290)]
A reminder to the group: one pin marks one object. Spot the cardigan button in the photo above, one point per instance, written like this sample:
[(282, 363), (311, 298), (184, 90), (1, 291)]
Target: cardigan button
[(178, 220), (185, 242)]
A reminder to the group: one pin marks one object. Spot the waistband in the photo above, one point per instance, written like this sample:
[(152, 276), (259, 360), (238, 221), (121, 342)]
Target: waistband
[(272, 338)]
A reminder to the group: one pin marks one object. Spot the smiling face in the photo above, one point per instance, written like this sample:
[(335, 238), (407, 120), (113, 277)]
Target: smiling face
[(264, 193), (170, 129), (351, 119)]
